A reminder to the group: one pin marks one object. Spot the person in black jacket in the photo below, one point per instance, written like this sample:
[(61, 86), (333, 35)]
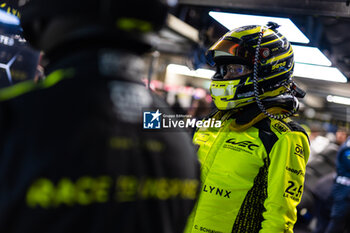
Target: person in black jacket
[(74, 156)]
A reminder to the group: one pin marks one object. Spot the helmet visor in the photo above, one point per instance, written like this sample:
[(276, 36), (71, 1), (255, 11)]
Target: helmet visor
[(226, 46), (233, 71), (227, 50)]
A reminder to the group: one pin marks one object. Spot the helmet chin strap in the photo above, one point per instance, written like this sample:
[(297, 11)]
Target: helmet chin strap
[(259, 102)]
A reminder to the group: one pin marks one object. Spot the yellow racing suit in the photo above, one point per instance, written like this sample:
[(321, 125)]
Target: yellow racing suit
[(252, 175)]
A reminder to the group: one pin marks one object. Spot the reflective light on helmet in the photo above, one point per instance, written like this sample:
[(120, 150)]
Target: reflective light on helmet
[(7, 18)]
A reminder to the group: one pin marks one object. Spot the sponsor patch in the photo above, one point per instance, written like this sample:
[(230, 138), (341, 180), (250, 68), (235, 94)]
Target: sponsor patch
[(236, 145), (280, 127), (299, 151)]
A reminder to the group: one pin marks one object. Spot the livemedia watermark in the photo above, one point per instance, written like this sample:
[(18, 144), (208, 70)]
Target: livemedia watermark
[(163, 120)]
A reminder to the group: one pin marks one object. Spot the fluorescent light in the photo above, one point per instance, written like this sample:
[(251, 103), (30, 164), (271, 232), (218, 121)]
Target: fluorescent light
[(324, 73), (184, 70), (8, 18), (288, 28), (338, 99), (182, 28), (310, 55)]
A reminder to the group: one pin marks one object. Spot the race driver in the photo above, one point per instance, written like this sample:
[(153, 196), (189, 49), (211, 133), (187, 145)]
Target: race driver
[(253, 166)]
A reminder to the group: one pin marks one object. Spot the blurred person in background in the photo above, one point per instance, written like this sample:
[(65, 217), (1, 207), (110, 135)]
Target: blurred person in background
[(321, 164), (340, 195), (253, 166), (18, 61), (318, 139), (74, 156), (200, 108), (176, 106), (322, 135), (319, 176)]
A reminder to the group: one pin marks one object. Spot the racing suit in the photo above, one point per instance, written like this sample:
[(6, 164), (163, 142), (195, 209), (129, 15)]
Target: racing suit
[(252, 174), (74, 156)]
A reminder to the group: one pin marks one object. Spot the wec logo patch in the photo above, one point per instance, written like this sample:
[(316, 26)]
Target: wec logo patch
[(245, 144)]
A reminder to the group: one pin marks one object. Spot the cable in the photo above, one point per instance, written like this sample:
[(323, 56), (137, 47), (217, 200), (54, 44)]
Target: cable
[(261, 106)]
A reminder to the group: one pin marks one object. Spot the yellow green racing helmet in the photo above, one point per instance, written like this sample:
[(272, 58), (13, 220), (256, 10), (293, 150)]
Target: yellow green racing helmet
[(261, 48)]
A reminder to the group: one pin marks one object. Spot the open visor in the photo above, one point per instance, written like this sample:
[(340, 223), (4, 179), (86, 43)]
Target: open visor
[(228, 51)]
